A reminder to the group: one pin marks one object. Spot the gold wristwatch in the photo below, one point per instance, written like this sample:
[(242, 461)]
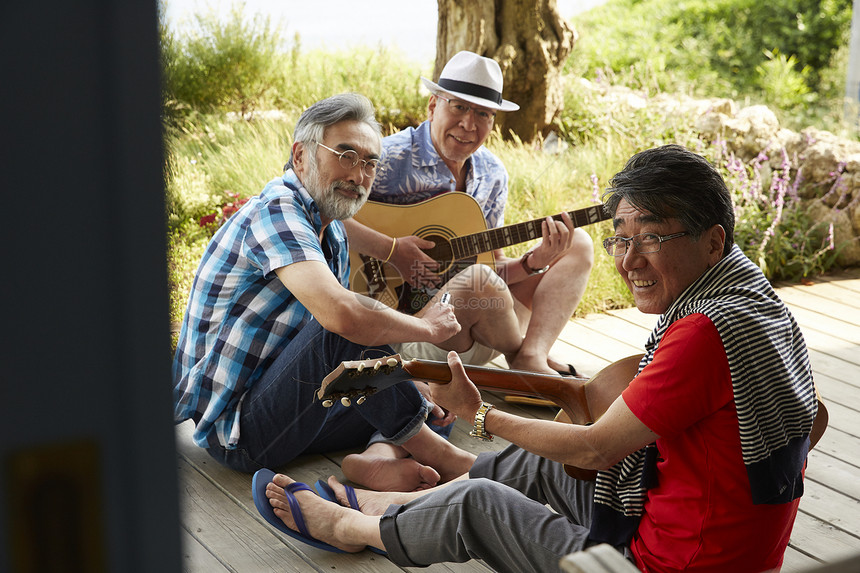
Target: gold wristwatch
[(479, 431)]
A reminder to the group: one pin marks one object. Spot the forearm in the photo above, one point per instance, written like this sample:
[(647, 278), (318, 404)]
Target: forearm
[(371, 322), (368, 241), (356, 317), (568, 444)]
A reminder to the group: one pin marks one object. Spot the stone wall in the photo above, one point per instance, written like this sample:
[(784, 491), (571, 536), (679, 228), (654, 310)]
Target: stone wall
[(828, 166)]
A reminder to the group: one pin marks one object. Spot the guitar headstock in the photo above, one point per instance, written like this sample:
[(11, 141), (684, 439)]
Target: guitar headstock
[(353, 381)]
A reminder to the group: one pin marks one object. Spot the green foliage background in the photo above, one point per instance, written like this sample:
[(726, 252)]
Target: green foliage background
[(789, 54), (223, 77)]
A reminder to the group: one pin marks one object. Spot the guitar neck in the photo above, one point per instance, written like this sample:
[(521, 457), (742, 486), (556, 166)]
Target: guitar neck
[(568, 392), (474, 244)]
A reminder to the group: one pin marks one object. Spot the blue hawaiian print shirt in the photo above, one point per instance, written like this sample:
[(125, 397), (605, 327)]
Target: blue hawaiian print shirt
[(239, 314), (413, 172)]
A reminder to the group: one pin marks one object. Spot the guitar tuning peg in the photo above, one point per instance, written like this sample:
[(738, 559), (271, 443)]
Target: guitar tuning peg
[(391, 362), (361, 400), (378, 365), (345, 401), (327, 403), (360, 366)]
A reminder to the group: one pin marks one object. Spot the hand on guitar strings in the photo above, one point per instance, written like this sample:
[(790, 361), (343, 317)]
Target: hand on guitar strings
[(557, 237), (416, 266)]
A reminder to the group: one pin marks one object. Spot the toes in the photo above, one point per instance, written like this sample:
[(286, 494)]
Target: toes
[(339, 491), (428, 475), (282, 481)]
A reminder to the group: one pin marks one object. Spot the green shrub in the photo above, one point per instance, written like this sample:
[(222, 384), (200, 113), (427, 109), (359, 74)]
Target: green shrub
[(782, 83), (222, 64), (721, 48)]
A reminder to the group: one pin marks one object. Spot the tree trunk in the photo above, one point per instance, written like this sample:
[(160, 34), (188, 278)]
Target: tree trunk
[(529, 40)]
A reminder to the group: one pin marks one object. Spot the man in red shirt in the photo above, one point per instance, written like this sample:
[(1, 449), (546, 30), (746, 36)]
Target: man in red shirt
[(701, 458)]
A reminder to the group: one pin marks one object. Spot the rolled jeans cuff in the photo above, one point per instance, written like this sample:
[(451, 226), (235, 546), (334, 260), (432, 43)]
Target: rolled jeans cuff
[(408, 432)]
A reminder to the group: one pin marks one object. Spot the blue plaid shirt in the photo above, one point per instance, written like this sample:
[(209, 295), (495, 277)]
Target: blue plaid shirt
[(413, 172), (239, 314)]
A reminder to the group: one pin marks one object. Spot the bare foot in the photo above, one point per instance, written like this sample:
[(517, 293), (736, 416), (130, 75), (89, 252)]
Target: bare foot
[(374, 503), (384, 473), (422, 462), (339, 526), (428, 447), (371, 502), (541, 365), (536, 368)]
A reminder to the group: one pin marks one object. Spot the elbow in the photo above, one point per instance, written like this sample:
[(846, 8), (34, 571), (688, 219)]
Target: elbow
[(603, 463), (596, 453), (595, 460), (343, 320)]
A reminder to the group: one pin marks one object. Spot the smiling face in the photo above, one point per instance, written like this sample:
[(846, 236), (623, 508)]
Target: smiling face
[(338, 191), (456, 138), (658, 279)]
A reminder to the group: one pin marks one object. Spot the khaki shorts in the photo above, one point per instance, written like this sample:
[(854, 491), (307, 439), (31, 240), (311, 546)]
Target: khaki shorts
[(478, 355)]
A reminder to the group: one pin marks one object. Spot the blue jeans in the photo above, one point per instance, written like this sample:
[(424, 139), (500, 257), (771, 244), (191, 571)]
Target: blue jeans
[(281, 418)]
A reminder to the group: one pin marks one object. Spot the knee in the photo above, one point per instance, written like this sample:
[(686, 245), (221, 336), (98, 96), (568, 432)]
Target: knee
[(479, 280), (480, 492), (581, 250)]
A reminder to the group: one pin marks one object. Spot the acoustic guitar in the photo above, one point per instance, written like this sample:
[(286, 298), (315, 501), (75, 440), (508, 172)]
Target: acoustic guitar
[(582, 400), (455, 223)]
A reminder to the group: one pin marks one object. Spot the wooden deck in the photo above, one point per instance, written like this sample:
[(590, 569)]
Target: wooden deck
[(223, 532)]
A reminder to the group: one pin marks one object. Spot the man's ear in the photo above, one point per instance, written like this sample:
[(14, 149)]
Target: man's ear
[(431, 106), (717, 241), (299, 158)]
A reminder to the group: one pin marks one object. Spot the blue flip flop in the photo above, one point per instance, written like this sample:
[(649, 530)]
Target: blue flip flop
[(258, 487), (327, 493)]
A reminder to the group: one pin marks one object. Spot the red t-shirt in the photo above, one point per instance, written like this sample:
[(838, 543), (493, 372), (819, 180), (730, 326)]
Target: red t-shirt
[(700, 516)]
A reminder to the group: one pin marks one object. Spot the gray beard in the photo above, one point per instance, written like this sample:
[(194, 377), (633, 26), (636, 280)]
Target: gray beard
[(330, 203)]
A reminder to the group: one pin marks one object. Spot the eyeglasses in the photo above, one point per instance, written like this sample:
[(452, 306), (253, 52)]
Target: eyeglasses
[(459, 108), (349, 159), (643, 243)]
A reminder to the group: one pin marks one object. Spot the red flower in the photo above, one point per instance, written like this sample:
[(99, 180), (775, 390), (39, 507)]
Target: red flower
[(208, 219), (225, 211)]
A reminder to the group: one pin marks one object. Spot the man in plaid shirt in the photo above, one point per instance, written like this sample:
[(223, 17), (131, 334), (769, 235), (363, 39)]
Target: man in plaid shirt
[(270, 314)]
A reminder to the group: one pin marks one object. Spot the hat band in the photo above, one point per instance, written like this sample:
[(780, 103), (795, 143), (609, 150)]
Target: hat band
[(471, 89)]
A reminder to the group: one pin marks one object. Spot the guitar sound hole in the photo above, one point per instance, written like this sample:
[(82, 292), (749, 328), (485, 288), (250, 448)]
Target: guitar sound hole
[(441, 252)]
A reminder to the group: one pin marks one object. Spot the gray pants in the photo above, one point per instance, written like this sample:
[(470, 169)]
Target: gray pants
[(499, 515)]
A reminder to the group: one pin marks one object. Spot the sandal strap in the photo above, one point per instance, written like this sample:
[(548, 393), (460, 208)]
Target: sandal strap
[(295, 509), (351, 497)]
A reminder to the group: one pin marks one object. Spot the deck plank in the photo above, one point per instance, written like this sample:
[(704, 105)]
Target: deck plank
[(229, 534), (229, 493), (796, 561), (832, 506), (217, 501), (197, 559)]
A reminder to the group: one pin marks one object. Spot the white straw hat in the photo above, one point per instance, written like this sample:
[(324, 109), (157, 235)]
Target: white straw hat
[(472, 78)]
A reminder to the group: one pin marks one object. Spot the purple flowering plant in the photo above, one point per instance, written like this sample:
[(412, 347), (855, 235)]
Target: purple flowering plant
[(772, 223)]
